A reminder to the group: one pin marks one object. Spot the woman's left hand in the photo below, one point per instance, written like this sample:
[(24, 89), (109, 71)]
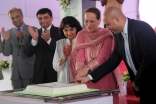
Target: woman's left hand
[(81, 72), (68, 49)]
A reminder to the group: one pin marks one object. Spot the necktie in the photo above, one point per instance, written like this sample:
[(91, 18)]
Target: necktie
[(19, 29), (45, 30), (127, 52), (17, 37)]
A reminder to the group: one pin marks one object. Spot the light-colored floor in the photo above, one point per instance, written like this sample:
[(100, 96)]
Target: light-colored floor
[(5, 84)]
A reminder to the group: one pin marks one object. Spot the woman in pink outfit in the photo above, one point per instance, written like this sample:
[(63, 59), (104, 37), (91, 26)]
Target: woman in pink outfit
[(93, 47)]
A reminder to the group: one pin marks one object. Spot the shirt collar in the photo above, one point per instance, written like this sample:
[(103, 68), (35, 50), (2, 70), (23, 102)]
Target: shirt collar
[(125, 30), (21, 27), (47, 28)]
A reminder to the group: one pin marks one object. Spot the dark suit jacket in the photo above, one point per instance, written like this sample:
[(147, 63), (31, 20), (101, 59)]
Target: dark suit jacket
[(142, 44), (44, 56)]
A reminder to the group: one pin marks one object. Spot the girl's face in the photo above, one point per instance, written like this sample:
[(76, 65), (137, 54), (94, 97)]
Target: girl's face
[(70, 32)]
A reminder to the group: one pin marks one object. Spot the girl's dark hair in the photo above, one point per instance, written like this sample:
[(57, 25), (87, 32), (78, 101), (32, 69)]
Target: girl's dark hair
[(71, 22), (95, 11)]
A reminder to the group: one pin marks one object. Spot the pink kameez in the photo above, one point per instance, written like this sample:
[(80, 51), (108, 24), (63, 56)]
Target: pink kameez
[(93, 49)]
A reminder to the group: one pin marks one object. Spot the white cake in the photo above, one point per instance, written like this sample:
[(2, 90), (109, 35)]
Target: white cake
[(56, 88)]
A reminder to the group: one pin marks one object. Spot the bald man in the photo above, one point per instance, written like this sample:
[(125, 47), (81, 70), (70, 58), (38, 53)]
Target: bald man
[(136, 46), (116, 3)]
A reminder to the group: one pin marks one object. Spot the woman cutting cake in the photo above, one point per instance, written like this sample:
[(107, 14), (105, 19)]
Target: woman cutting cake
[(93, 46)]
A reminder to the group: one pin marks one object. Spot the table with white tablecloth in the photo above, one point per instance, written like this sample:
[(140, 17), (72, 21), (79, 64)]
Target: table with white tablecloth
[(90, 100)]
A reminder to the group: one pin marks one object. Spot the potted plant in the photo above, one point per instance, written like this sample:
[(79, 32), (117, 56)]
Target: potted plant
[(125, 78), (64, 4), (4, 64)]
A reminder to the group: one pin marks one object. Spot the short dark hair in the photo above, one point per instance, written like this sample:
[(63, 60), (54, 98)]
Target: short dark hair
[(43, 11), (72, 22), (95, 11)]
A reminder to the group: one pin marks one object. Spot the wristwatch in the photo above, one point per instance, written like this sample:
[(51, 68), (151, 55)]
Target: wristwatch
[(87, 68)]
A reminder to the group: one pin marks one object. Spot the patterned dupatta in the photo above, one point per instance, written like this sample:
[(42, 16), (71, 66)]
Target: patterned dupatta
[(90, 40)]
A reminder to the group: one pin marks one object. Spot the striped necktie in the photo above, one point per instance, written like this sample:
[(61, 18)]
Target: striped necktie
[(45, 30), (19, 29)]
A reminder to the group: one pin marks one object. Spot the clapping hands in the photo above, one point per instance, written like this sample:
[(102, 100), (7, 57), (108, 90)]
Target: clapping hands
[(46, 35), (67, 50), (33, 33), (5, 34), (20, 34)]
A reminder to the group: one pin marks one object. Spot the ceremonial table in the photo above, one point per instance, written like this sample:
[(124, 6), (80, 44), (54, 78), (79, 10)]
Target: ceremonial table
[(6, 97)]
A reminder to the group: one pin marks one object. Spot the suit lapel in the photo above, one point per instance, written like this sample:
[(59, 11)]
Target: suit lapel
[(51, 31), (130, 34), (122, 48), (25, 30)]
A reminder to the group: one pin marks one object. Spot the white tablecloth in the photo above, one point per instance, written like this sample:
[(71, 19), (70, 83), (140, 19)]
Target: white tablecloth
[(93, 100), (5, 84)]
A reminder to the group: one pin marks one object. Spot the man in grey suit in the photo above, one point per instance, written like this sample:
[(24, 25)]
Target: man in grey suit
[(1, 74), (15, 39)]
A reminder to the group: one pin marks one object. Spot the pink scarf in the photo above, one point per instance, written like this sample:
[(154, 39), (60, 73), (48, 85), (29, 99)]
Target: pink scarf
[(92, 40)]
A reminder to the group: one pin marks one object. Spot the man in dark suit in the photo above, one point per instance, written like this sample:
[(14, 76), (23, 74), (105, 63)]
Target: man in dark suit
[(138, 52), (43, 45), (14, 41)]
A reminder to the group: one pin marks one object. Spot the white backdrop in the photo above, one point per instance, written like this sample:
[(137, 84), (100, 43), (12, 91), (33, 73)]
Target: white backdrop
[(148, 11)]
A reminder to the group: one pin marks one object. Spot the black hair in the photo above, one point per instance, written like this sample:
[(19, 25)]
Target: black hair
[(43, 11), (95, 11), (72, 22)]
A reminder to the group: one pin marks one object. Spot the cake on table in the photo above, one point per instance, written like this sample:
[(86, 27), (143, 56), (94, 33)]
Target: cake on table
[(56, 89)]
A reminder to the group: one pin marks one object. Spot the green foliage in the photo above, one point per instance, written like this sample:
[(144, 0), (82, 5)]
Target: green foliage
[(64, 4), (125, 76), (4, 64)]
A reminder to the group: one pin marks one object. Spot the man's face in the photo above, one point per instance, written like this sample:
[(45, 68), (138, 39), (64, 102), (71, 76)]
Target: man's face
[(45, 20), (103, 2), (112, 24), (16, 18)]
